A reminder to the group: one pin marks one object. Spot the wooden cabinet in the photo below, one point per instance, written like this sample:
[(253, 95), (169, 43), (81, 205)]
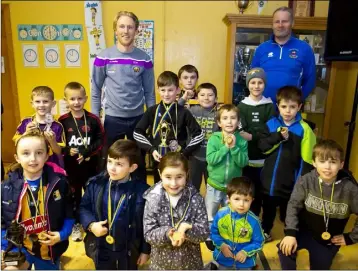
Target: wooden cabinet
[(249, 31)]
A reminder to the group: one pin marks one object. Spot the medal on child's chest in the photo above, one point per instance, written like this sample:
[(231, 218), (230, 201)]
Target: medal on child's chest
[(176, 234), (109, 238), (243, 231), (326, 235)]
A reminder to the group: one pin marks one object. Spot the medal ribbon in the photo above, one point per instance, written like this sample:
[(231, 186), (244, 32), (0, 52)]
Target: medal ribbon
[(233, 226), (119, 206), (157, 122), (37, 203), (175, 226), (175, 131), (326, 216), (78, 130)]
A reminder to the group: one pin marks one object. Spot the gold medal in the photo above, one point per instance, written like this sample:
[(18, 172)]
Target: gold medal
[(229, 140), (109, 239), (176, 236), (326, 235), (33, 237), (42, 235), (284, 129)]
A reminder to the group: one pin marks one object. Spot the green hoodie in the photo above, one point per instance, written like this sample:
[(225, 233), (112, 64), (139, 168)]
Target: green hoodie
[(253, 118), (224, 163)]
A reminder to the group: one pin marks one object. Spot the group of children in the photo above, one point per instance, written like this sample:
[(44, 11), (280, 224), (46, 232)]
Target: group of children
[(250, 157)]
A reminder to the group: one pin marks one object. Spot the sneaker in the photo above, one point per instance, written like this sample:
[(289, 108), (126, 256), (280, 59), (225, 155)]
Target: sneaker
[(77, 233), (268, 237)]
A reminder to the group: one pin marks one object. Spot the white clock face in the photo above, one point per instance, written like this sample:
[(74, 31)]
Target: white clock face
[(23, 34), (51, 56), (73, 55), (77, 34), (66, 32), (30, 55), (49, 32)]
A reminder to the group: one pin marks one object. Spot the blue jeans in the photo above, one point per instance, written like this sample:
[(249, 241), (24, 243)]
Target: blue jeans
[(213, 200), (118, 128)]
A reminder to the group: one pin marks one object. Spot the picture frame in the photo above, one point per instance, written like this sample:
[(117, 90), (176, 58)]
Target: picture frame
[(304, 8)]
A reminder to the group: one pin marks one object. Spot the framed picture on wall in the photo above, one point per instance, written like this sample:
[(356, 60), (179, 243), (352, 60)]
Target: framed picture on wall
[(304, 8)]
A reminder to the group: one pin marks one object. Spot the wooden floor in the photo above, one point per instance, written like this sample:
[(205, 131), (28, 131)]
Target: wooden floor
[(347, 257)]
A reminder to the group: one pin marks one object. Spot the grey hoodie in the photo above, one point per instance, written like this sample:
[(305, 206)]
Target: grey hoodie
[(129, 81), (207, 121), (157, 222), (305, 208)]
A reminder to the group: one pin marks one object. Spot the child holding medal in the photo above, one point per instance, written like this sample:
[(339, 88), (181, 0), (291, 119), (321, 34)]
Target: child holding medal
[(112, 209), (236, 231), (181, 123), (175, 219), (319, 209), (37, 196), (226, 155), (42, 100)]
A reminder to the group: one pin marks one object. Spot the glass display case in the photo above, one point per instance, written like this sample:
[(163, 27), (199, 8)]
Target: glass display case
[(246, 32)]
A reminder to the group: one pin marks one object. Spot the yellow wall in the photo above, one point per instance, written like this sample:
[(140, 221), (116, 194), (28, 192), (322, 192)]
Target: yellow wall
[(185, 32)]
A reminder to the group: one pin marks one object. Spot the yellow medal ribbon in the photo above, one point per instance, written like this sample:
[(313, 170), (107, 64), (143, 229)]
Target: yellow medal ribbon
[(326, 235), (175, 226), (156, 125), (37, 207), (85, 143), (109, 238)]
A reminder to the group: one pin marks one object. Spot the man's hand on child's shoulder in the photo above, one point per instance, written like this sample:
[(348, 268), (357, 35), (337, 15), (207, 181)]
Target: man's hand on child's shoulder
[(288, 245)]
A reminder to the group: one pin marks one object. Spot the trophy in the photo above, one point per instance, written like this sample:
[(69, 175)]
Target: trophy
[(244, 57), (15, 236), (48, 121), (164, 130)]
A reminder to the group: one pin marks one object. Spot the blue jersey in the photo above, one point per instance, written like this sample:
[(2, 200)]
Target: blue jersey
[(292, 63)]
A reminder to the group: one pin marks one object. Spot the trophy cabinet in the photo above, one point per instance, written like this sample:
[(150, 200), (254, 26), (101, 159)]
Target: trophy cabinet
[(246, 32)]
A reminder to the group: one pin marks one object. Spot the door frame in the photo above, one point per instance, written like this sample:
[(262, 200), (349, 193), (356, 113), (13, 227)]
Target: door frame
[(11, 61)]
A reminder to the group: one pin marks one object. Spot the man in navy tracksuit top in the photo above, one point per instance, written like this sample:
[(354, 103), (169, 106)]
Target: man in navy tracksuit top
[(286, 60)]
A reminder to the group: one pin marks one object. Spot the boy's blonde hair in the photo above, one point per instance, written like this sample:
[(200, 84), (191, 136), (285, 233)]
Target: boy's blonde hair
[(328, 149), (43, 91), (75, 86), (227, 107), (125, 13)]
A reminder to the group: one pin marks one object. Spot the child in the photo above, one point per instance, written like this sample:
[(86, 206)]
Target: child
[(236, 232), (289, 142), (255, 111), (205, 115), (37, 196), (84, 141), (188, 76), (42, 100), (226, 156), (319, 209), (112, 209), (177, 120), (175, 219)]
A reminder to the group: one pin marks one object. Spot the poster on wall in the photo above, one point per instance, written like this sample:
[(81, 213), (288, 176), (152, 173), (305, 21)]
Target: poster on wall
[(58, 32), (30, 55), (145, 38), (52, 55), (72, 55), (94, 27)]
